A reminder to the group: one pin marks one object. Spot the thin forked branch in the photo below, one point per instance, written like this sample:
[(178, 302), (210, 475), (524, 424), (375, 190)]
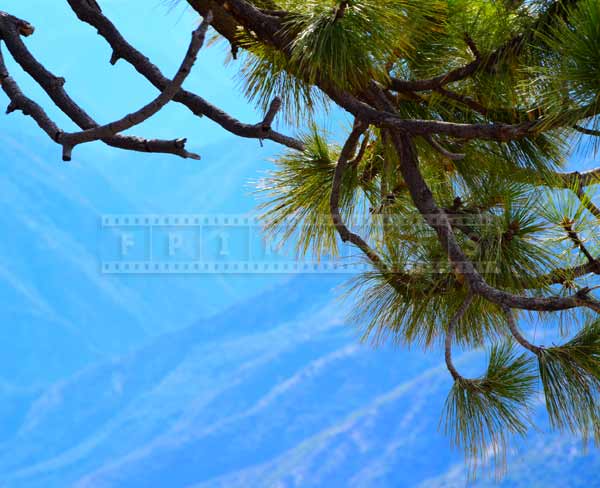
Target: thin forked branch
[(11, 30), (124, 50), (70, 140)]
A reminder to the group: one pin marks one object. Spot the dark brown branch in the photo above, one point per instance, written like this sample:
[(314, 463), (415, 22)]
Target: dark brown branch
[(364, 145), (271, 114), (442, 150), (454, 321), (472, 46), (438, 220), (341, 10), (567, 225), (586, 131), (152, 73), (18, 101), (500, 132), (10, 32), (334, 202), (516, 333), (70, 140)]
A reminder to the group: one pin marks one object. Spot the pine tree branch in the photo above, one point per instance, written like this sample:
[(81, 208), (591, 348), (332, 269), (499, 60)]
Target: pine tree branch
[(123, 50), (11, 29), (438, 220), (516, 333), (269, 30), (567, 225), (513, 46), (345, 233), (70, 140), (454, 321)]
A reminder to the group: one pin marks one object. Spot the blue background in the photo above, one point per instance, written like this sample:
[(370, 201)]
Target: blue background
[(194, 380)]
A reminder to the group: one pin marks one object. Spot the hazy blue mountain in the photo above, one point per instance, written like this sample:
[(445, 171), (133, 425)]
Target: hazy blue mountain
[(276, 391), (59, 312)]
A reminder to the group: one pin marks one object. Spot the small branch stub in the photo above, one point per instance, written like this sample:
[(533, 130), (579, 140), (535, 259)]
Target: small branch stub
[(271, 114), (25, 28)]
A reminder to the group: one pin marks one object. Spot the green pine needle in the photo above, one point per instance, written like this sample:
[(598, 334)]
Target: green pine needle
[(480, 414), (298, 193), (571, 378)]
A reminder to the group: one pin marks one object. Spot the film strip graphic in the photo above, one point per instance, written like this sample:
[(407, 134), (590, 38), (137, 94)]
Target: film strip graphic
[(207, 244)]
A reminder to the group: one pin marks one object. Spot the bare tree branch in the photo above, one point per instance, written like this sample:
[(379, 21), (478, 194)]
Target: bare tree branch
[(123, 50), (18, 101), (70, 140), (271, 114), (11, 28)]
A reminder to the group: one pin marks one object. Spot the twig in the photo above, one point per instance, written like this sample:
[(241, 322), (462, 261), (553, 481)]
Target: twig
[(334, 206), (271, 114), (70, 140), (586, 131), (355, 161), (456, 318), (516, 333), (18, 101), (472, 46), (442, 150), (567, 225), (53, 85), (152, 73)]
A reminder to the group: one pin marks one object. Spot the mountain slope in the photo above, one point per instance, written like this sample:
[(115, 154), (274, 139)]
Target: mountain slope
[(275, 392), (60, 313)]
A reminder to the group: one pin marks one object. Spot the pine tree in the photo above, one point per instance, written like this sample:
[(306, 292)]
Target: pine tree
[(465, 113)]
